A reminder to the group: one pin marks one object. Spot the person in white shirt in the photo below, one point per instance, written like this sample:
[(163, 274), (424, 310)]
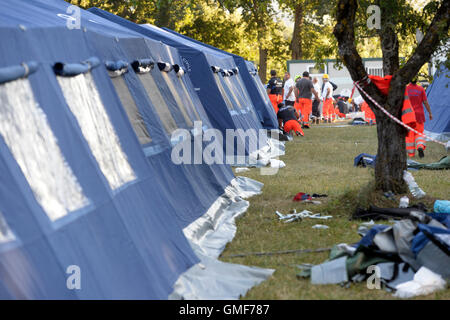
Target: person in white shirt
[(327, 98), (289, 87)]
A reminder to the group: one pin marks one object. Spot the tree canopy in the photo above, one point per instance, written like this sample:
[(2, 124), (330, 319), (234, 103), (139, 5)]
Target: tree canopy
[(270, 32)]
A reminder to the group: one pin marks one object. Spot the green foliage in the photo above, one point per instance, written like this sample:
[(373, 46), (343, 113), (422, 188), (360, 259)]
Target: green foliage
[(244, 26)]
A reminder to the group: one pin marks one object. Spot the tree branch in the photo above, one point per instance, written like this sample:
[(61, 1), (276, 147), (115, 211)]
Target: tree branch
[(345, 35), (439, 27), (389, 41)]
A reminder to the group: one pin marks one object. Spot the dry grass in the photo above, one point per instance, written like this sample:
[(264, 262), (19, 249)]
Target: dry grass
[(321, 162)]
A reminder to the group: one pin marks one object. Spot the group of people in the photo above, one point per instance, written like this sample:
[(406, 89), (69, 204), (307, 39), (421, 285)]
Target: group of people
[(299, 101)]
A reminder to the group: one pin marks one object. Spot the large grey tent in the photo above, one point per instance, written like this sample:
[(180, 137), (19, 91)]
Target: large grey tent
[(87, 180)]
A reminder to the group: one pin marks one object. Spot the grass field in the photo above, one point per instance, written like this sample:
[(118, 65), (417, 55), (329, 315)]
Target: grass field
[(320, 162)]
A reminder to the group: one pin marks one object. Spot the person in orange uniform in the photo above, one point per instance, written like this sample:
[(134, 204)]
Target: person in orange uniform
[(287, 120), (409, 115), (418, 99), (369, 116), (304, 91), (275, 90), (327, 96)]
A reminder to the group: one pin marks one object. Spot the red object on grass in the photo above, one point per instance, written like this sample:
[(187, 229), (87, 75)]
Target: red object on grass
[(301, 196)]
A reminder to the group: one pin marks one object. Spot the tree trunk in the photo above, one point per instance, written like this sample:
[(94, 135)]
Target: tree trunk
[(163, 14), (262, 64), (389, 42), (391, 156), (296, 43)]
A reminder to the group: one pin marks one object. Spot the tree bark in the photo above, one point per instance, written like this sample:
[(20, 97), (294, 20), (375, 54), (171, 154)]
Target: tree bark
[(296, 43), (163, 14), (389, 42), (263, 64)]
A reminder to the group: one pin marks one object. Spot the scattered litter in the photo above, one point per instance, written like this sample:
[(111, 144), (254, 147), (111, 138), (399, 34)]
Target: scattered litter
[(404, 202), (299, 216), (320, 226), (239, 170), (316, 195), (412, 256), (425, 282), (413, 187), (367, 160), (274, 163), (307, 198), (368, 224), (443, 164), (416, 212)]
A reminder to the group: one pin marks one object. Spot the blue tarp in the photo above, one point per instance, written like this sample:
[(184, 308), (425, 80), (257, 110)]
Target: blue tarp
[(226, 102), (253, 84), (126, 237), (438, 94)]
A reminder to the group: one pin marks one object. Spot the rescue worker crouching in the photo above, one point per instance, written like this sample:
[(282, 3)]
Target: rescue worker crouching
[(287, 120)]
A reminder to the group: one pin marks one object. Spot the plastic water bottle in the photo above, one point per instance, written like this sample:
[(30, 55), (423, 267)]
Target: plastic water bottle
[(404, 202), (413, 187)]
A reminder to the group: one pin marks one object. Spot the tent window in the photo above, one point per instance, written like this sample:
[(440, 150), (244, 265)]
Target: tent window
[(177, 97), (6, 235), (236, 93), (242, 87), (158, 102), (132, 110), (189, 99), (222, 91), (84, 101), (26, 132), (232, 92)]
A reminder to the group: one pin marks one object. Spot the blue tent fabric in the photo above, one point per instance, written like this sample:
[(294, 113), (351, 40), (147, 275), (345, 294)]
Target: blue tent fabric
[(129, 230), (438, 235), (438, 94), (365, 160), (367, 240), (19, 71), (223, 97), (253, 84)]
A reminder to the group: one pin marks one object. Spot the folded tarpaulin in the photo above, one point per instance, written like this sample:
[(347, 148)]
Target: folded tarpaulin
[(443, 164), (442, 217), (439, 236), (367, 160), (331, 272), (116, 65), (416, 213), (364, 160), (18, 71), (74, 69)]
